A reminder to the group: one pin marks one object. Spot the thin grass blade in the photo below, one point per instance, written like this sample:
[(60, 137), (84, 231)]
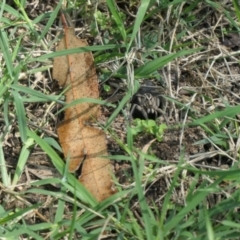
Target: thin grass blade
[(150, 67), (4, 173), (138, 21), (125, 99), (50, 21), (24, 155), (210, 231), (237, 8), (75, 50), (6, 53), (37, 94), (21, 115), (10, 10), (229, 111), (117, 18), (2, 8)]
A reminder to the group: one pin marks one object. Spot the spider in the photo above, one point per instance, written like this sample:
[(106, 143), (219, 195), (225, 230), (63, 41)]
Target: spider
[(148, 105)]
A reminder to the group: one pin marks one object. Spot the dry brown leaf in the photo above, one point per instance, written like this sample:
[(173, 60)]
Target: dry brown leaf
[(147, 146), (79, 141)]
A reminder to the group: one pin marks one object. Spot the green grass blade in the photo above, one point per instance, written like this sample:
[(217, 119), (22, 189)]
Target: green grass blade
[(118, 109), (145, 210), (60, 166), (18, 233), (138, 21), (75, 50), (84, 100), (52, 142), (117, 18), (16, 49), (4, 85), (6, 111), (229, 111), (59, 214), (24, 155), (2, 9), (21, 7), (60, 211), (237, 8), (21, 115), (210, 231), (6, 53), (4, 172), (10, 10), (150, 67), (121, 105), (50, 21), (39, 96), (218, 7), (168, 195), (14, 215), (231, 224), (143, 204)]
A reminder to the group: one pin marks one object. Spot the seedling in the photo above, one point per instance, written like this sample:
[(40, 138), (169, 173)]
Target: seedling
[(148, 126)]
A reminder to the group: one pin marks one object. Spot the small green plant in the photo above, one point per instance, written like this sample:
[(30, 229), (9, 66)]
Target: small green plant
[(107, 25), (148, 126)]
